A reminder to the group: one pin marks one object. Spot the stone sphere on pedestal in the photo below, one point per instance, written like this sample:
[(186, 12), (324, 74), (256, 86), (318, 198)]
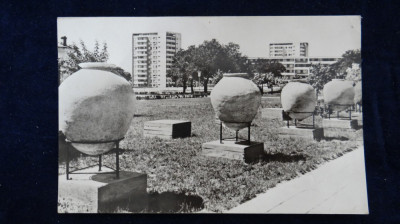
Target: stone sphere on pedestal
[(95, 104), (339, 94), (236, 100), (297, 99), (358, 93)]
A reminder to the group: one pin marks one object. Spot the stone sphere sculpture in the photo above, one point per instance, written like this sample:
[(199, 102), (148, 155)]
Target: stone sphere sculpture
[(95, 105), (235, 100), (358, 93), (298, 98), (339, 94)]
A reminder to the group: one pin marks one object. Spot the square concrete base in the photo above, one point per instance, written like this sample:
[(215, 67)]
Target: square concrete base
[(167, 129), (298, 132), (340, 128), (272, 113), (359, 117), (340, 133), (339, 123), (94, 193), (242, 151)]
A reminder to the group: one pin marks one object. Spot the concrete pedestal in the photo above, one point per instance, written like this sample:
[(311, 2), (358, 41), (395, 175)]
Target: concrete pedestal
[(272, 113), (298, 132), (359, 117), (167, 129), (339, 123), (339, 128), (94, 193), (242, 151)]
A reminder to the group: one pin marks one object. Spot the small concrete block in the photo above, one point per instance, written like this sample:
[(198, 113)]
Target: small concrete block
[(242, 151), (339, 133), (339, 123), (272, 113), (298, 132), (93, 193), (168, 129), (359, 117)]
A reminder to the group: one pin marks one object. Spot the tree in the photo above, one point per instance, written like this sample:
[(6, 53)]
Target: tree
[(348, 58), (320, 75), (121, 72), (79, 55), (213, 59), (210, 58), (183, 68), (238, 62), (267, 71), (354, 73)]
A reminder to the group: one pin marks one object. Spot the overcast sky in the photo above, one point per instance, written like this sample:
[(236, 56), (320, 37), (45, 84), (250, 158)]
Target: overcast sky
[(326, 35)]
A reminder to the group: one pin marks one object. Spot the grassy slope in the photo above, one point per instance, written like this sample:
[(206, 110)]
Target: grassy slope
[(176, 165)]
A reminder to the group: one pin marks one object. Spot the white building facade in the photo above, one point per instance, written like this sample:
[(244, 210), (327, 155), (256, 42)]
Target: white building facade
[(294, 56), (292, 49), (152, 56), (298, 66)]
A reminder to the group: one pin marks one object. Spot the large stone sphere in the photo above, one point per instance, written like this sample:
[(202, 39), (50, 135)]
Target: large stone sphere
[(358, 93), (297, 99), (95, 105), (236, 100), (339, 94)]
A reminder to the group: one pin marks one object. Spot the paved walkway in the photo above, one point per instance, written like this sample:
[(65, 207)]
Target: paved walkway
[(337, 187)]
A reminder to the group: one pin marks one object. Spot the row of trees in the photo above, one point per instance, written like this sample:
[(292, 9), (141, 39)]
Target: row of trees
[(208, 61), (342, 69), (80, 54)]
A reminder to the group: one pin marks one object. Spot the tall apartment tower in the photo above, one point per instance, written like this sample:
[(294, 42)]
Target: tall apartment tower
[(294, 49), (152, 55)]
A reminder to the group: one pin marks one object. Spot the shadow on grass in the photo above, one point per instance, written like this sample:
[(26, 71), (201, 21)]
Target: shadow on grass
[(142, 115), (166, 202), (280, 157), (336, 138)]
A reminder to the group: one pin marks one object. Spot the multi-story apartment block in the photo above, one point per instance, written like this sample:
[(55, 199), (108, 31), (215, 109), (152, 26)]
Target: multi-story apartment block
[(152, 55), (298, 66), (294, 56), (294, 49)]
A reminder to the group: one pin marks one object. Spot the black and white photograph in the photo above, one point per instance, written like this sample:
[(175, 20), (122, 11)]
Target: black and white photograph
[(223, 114)]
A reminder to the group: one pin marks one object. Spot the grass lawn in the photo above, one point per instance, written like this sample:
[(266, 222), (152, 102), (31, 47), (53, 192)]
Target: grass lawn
[(177, 166)]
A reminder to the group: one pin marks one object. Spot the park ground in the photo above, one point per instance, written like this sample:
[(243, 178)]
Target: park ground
[(177, 166)]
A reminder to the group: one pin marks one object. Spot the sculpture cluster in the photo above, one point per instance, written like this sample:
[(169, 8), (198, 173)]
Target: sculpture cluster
[(97, 105)]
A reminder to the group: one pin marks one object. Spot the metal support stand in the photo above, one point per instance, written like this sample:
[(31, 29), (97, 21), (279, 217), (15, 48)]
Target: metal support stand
[(236, 133), (313, 120), (329, 112), (337, 113), (99, 162), (220, 132), (295, 120), (248, 133), (116, 171), (117, 159)]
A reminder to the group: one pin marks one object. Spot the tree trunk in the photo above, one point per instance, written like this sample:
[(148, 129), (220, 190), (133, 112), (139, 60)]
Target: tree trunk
[(184, 88), (191, 86), (205, 83)]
